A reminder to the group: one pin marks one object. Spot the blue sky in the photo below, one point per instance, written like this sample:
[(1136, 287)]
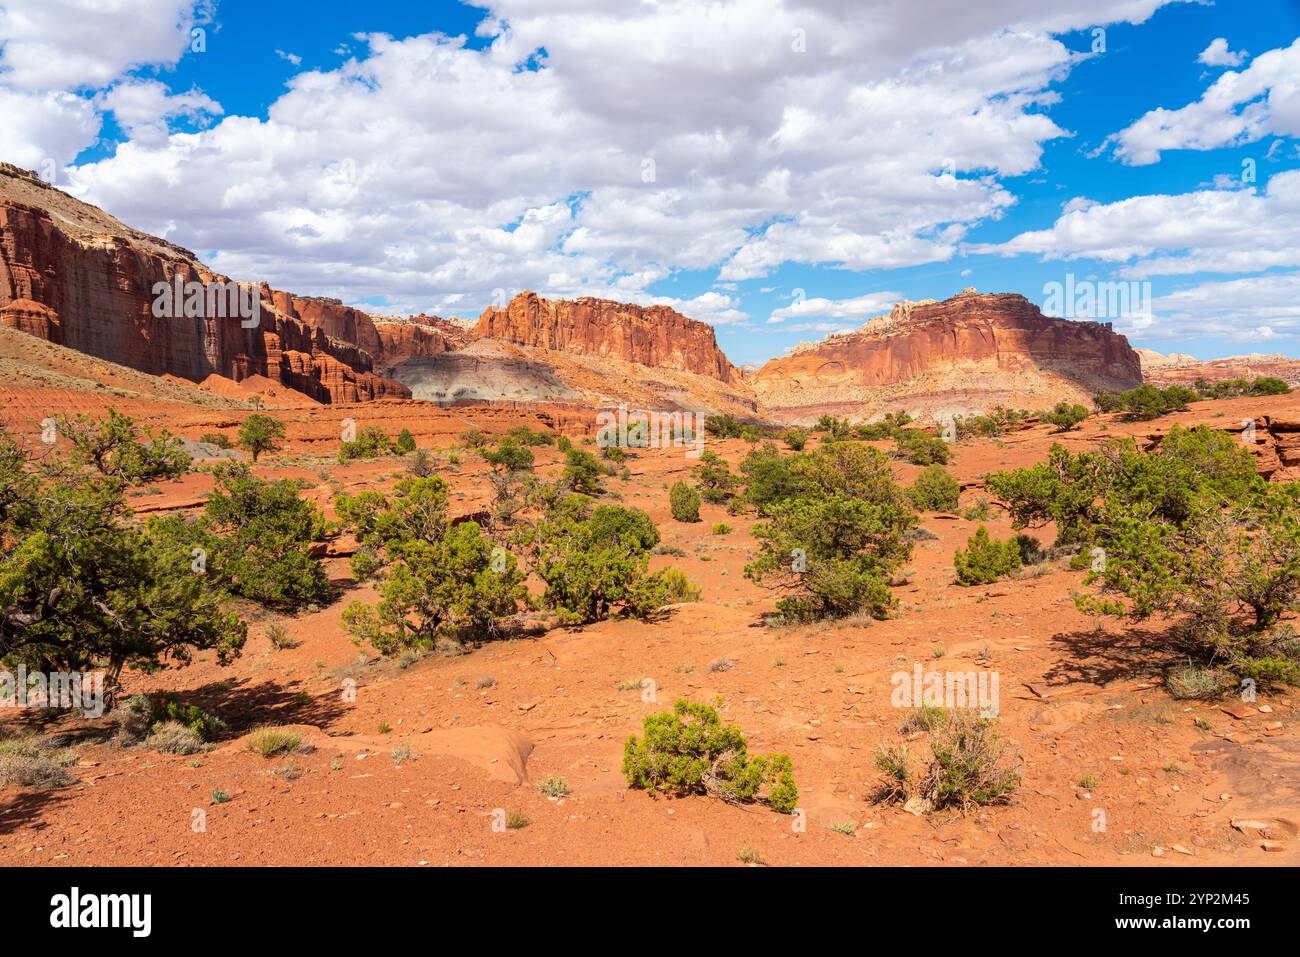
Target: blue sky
[(808, 163)]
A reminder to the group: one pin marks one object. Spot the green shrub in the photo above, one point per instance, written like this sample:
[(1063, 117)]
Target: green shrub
[(405, 443), (796, 439), (990, 424), (888, 427), (114, 448), (837, 430), (935, 490), (595, 561), (583, 472), (831, 548), (1147, 401), (721, 528), (1226, 574), (167, 709), (258, 537), (371, 442), (84, 586), (172, 737), (675, 587), (768, 477), (977, 511), (260, 433), (1269, 385), (1069, 489), (526, 436), (441, 580), (728, 427), (1066, 416), (921, 448), (967, 765), (553, 787), (985, 560), (1230, 388), (268, 742), (689, 751), (509, 456), (716, 484), (1188, 532), (685, 502), (219, 439)]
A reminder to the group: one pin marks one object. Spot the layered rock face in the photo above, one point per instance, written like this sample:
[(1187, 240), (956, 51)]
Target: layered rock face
[(652, 336), (418, 337), (954, 352), (34, 319), (70, 270), (1180, 369)]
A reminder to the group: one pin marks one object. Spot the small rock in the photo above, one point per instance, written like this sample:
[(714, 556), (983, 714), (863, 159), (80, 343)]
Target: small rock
[(918, 806), (1244, 824)]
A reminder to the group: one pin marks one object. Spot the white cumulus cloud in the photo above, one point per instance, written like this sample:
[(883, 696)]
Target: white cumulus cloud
[(1239, 107)]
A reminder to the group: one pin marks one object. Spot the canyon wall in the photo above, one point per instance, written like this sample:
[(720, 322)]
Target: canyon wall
[(83, 277), (648, 335)]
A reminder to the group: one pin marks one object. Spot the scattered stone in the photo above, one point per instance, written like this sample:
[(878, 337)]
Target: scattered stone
[(918, 806), (1244, 824)]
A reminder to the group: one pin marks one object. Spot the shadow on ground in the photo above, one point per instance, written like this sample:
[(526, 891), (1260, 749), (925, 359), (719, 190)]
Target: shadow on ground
[(1100, 657)]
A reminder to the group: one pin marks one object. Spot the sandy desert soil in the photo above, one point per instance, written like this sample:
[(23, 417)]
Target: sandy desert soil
[(1076, 701)]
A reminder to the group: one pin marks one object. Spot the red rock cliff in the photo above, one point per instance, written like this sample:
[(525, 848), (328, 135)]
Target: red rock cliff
[(416, 337), (652, 336), (965, 344), (69, 268)]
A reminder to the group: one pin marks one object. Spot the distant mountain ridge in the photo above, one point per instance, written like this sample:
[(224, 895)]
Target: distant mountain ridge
[(72, 274)]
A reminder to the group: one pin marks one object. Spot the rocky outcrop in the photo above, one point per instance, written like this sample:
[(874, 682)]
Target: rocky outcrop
[(418, 337), (1277, 447), (954, 352), (70, 270), (33, 318), (482, 374), (1181, 369), (649, 335)]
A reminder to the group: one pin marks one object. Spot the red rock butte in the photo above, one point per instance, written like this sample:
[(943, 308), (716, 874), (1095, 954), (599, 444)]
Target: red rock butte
[(964, 352), (73, 275), (648, 335)]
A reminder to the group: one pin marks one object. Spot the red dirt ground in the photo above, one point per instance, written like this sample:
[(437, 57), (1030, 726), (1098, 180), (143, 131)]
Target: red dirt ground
[(1075, 701)]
